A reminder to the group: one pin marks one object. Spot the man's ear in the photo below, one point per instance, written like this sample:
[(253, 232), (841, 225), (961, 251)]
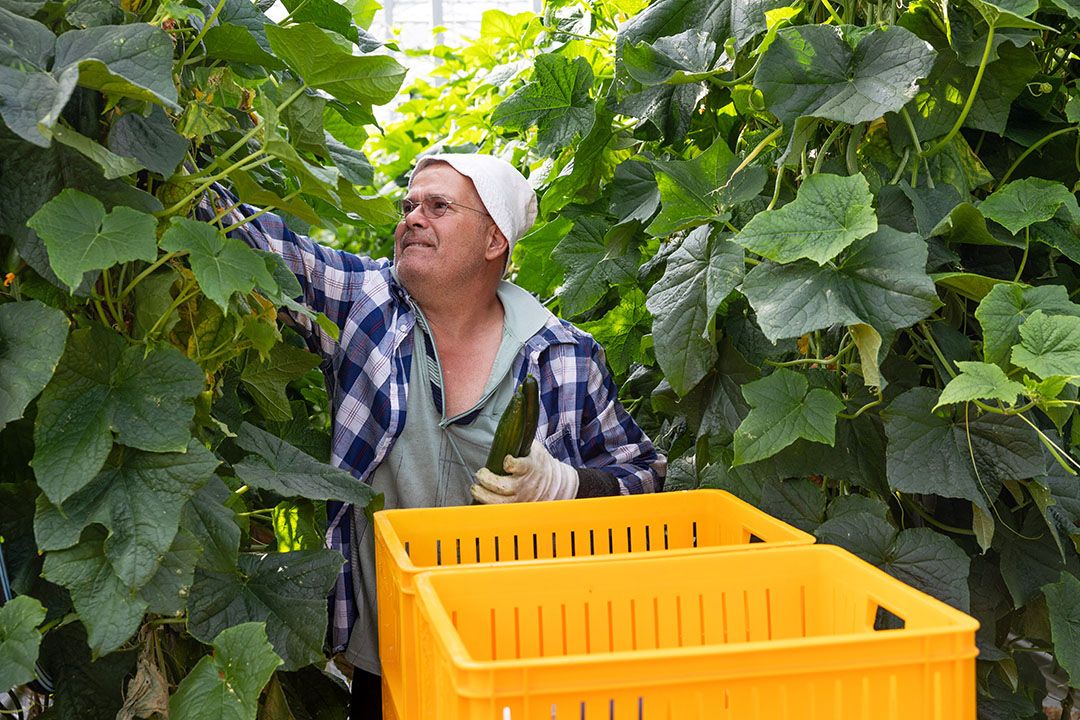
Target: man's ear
[(496, 243)]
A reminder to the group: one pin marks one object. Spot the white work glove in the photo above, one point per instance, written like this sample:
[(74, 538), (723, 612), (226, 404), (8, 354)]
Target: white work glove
[(538, 476)]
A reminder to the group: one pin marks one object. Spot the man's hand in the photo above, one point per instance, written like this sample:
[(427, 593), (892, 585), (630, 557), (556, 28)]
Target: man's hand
[(538, 476)]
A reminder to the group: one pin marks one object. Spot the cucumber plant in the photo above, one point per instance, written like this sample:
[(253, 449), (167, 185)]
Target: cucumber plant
[(165, 438)]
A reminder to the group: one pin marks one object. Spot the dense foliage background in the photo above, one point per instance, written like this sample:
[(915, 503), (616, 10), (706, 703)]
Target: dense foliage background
[(831, 249)]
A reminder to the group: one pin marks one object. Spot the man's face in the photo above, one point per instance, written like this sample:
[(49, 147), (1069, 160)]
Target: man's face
[(436, 252)]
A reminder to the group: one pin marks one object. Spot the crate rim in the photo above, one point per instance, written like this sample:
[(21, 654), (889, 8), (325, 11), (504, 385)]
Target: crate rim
[(957, 622), (385, 529)]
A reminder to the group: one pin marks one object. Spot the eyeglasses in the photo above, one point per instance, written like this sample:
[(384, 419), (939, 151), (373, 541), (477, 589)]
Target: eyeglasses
[(434, 206)]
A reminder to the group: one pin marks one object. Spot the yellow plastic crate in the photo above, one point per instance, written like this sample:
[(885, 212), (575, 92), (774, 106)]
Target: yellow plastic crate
[(409, 542), (783, 634)]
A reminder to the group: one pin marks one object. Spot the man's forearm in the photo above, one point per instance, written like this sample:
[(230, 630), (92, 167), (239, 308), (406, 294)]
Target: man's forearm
[(596, 483)]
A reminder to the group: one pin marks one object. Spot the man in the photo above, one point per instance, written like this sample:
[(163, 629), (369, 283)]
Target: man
[(431, 348)]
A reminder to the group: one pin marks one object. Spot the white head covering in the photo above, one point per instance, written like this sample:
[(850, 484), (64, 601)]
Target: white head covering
[(506, 194)]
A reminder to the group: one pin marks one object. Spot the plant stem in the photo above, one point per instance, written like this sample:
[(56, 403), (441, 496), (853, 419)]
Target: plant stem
[(937, 351), (832, 13), (202, 33), (918, 510), (238, 165), (852, 147), (812, 361), (901, 167), (251, 217), (910, 125), (114, 311), (739, 80), (288, 18), (757, 151), (940, 145), (247, 136), (1035, 146), (149, 270), (776, 187), (184, 295), (825, 147), (1060, 455), (1023, 259), (864, 408)]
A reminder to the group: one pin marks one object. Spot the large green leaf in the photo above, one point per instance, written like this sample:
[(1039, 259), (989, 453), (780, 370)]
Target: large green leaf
[(112, 165), (1023, 203), (784, 409), (878, 281), (32, 338), (86, 688), (131, 60), (19, 640), (221, 265), (110, 610), (1058, 495), (287, 591), (1008, 13), (167, 591), (323, 63), (151, 140), (949, 456), (687, 189), (594, 257), (971, 285), (1061, 232), (29, 95), (941, 97), (815, 71), (829, 213), (235, 43), (538, 271), (717, 19), (1049, 345), (80, 236), (635, 193), (266, 379), (327, 14), (670, 108), (274, 464), (620, 331), (226, 684), (979, 381), (699, 275), (103, 386), (1063, 601), (1008, 305), (31, 176), (682, 58), (921, 557), (556, 100), (138, 497), (798, 502), (1031, 560), (32, 100), (213, 525), (24, 41)]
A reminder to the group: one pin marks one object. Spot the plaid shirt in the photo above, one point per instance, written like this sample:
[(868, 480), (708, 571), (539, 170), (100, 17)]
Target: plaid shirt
[(367, 369)]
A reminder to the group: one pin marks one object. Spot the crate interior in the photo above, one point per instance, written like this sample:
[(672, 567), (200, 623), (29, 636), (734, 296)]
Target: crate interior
[(681, 602)]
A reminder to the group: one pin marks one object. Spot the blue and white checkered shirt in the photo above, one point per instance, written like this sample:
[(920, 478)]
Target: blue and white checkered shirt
[(367, 369)]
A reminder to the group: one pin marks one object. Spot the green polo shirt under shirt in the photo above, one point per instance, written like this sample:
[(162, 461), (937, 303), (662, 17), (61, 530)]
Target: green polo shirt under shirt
[(433, 462)]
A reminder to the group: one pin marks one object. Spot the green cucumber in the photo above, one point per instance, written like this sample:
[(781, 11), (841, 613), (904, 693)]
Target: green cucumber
[(531, 392), (507, 438)]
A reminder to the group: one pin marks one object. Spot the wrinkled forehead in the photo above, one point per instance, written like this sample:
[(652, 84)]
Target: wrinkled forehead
[(439, 178)]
